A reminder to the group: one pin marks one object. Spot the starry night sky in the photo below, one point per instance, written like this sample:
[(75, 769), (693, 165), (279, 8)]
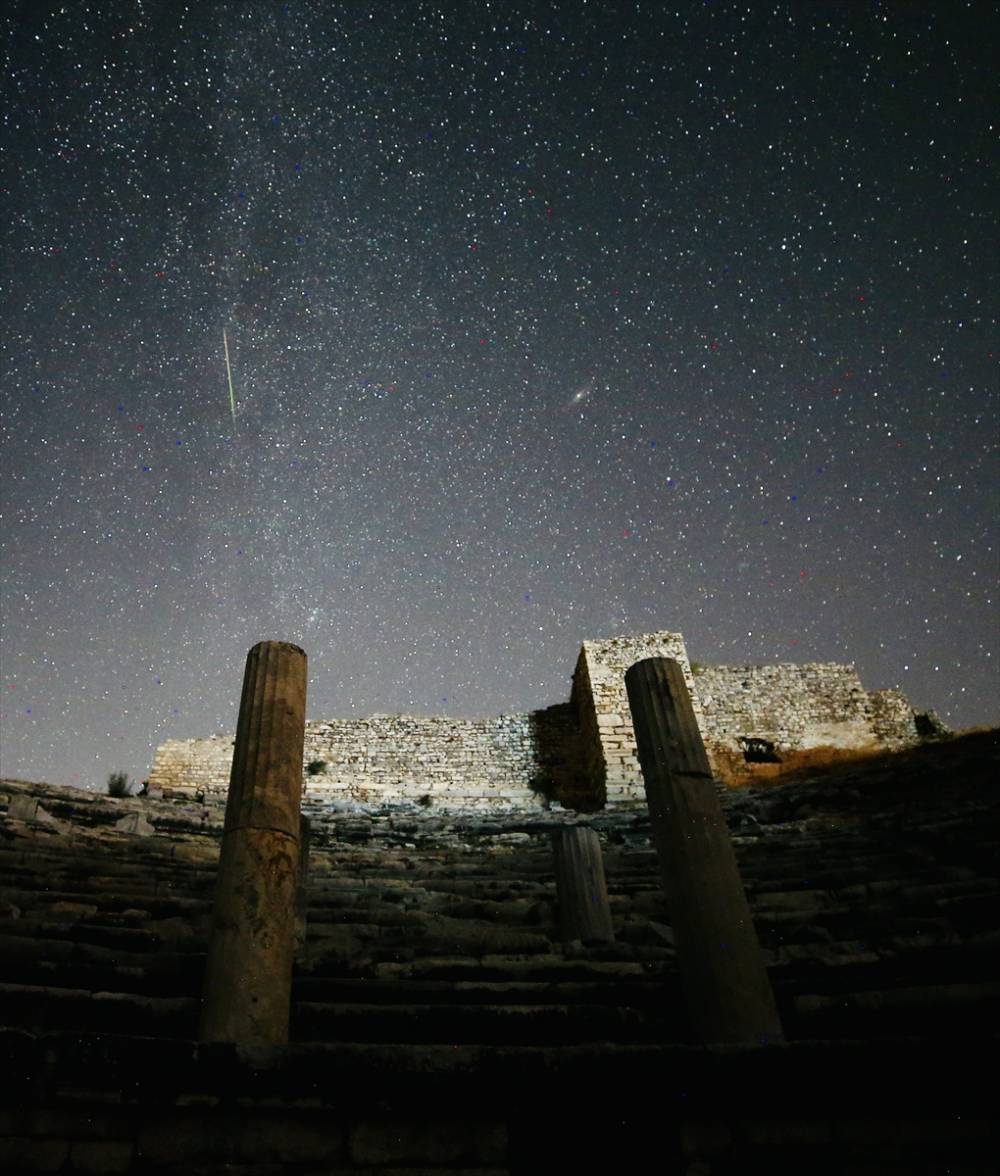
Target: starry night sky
[(548, 321)]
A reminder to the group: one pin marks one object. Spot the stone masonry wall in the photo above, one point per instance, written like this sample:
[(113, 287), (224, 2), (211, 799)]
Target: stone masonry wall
[(484, 763), (799, 708), (589, 791), (193, 765), (470, 763), (892, 718), (605, 720), (796, 706), (581, 753), (793, 708)]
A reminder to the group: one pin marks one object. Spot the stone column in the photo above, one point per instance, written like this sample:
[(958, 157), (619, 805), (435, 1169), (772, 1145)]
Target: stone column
[(582, 892), (248, 976), (722, 971)]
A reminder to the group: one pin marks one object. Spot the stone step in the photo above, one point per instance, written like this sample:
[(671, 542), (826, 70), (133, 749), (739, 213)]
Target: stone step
[(67, 887), (796, 874), (360, 949), (156, 854), (942, 1078), (43, 1008), (65, 964), (325, 904), (143, 939), (372, 911), (156, 905), (352, 963), (487, 1024), (378, 959), (638, 993), (433, 937), (41, 875), (486, 888), (968, 902), (499, 967), (935, 1010)]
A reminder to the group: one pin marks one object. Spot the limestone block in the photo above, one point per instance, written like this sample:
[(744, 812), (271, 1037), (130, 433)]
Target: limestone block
[(856, 734), (22, 808), (135, 823), (794, 900)]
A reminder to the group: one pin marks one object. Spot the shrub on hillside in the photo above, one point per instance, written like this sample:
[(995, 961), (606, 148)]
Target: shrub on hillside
[(118, 784)]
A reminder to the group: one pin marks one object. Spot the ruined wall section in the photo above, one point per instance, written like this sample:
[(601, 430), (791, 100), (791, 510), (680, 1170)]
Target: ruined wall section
[(470, 763), (510, 761), (190, 766), (797, 706), (581, 753), (604, 716), (794, 709), (589, 791), (893, 719), (791, 709)]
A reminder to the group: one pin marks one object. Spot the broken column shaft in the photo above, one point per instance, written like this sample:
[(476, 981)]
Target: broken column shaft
[(718, 955), (248, 976), (581, 888)]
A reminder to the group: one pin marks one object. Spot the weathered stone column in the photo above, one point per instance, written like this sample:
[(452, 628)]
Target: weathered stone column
[(581, 888), (722, 971), (248, 976)]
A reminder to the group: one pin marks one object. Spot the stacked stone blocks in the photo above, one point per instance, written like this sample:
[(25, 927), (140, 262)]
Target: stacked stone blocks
[(581, 753), (612, 765)]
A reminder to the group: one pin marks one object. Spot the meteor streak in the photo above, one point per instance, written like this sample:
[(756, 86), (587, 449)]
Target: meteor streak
[(229, 375)]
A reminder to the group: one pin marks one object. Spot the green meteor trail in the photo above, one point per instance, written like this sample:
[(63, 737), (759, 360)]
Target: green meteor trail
[(229, 375)]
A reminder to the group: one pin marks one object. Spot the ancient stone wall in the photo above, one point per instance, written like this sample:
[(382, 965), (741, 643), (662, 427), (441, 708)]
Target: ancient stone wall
[(892, 718), (581, 753), (796, 706), (472, 762), (507, 761), (193, 765), (775, 712), (744, 712), (608, 741)]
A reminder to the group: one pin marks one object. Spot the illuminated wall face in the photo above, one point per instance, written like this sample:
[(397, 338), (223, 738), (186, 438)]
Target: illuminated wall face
[(752, 718)]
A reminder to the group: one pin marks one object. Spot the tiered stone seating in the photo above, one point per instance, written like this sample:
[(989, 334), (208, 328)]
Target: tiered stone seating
[(431, 984)]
